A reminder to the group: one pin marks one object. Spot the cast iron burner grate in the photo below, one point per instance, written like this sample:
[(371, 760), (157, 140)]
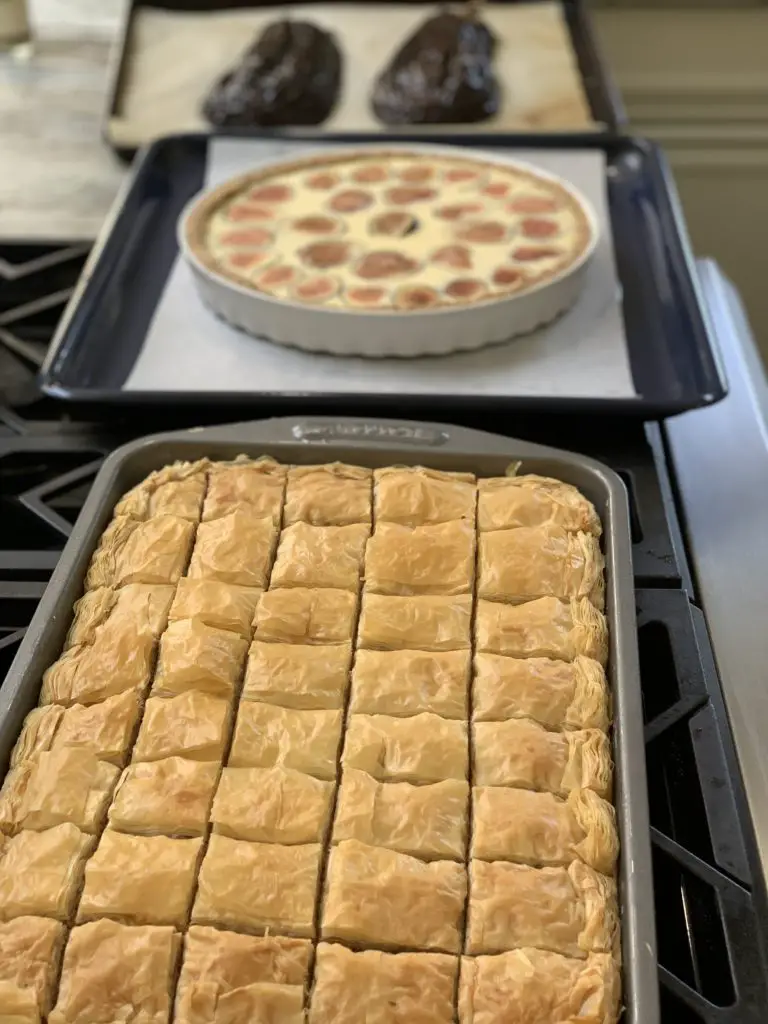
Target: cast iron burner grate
[(710, 917)]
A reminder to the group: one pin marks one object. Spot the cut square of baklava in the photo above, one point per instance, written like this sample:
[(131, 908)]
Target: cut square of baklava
[(226, 977), (131, 551), (542, 829), (40, 872), (169, 797), (105, 729), (215, 604), (140, 607), (543, 987), (140, 879), (298, 675), (272, 805), (194, 656), (256, 485), (417, 623), (174, 490), (524, 754), (511, 501), (302, 616), (266, 736), (424, 821), (382, 898), (237, 548), (113, 972), (258, 887), (320, 556), (54, 787), (394, 988), (425, 748), (541, 561), (118, 660), (415, 496), (403, 683), (30, 949), (557, 694), (330, 495), (546, 628), (192, 725), (434, 559), (570, 910)]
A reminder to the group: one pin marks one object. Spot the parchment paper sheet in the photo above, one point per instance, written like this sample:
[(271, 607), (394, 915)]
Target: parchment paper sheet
[(174, 56), (583, 354)]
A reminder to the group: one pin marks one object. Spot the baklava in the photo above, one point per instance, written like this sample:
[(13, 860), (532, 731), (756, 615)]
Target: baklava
[(324, 743)]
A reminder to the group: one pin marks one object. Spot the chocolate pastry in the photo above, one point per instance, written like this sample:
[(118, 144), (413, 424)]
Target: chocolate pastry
[(443, 74), (290, 75)]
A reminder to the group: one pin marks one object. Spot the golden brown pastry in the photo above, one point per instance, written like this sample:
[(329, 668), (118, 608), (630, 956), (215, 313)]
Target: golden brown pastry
[(403, 683), (258, 887), (543, 830), (237, 548), (170, 797), (302, 616), (320, 556), (298, 675), (192, 725), (524, 754), (30, 952), (558, 694), (433, 559), (140, 879), (521, 565), (105, 729), (394, 988), (194, 656), (41, 872), (417, 623), (415, 496), (215, 604), (330, 495), (140, 607), (266, 736), (54, 787), (425, 748), (131, 551), (272, 805), (570, 910), (379, 897), (257, 485), (228, 978), (546, 628), (531, 986), (117, 973), (174, 490), (509, 501), (429, 822), (117, 661)]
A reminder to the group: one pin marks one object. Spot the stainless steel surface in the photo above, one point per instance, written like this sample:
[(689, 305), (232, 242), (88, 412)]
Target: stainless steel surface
[(720, 457), (385, 442)]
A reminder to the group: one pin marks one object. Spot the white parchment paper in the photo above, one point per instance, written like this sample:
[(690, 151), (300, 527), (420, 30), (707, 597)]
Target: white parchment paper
[(583, 354), (173, 57)]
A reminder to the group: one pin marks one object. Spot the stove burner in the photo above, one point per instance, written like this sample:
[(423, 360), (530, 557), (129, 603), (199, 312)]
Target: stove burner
[(711, 966)]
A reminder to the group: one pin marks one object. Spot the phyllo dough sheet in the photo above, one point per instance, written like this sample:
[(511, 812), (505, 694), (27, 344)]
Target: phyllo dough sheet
[(323, 743)]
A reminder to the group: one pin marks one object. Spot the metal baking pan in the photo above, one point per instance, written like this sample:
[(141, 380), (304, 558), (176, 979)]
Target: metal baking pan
[(602, 95), (672, 356), (376, 443)]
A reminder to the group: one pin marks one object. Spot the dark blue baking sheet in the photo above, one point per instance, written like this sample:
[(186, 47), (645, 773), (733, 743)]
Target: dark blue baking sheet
[(674, 364)]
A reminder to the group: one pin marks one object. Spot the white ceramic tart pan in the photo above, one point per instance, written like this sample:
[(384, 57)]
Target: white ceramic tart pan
[(396, 251)]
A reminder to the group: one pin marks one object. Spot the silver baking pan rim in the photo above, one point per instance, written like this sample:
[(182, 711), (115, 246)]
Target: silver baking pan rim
[(374, 443)]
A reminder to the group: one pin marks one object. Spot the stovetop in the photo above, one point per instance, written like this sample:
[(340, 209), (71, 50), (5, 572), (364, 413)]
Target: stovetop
[(711, 925)]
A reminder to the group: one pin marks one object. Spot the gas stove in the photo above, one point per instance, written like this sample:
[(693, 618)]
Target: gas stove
[(709, 888)]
